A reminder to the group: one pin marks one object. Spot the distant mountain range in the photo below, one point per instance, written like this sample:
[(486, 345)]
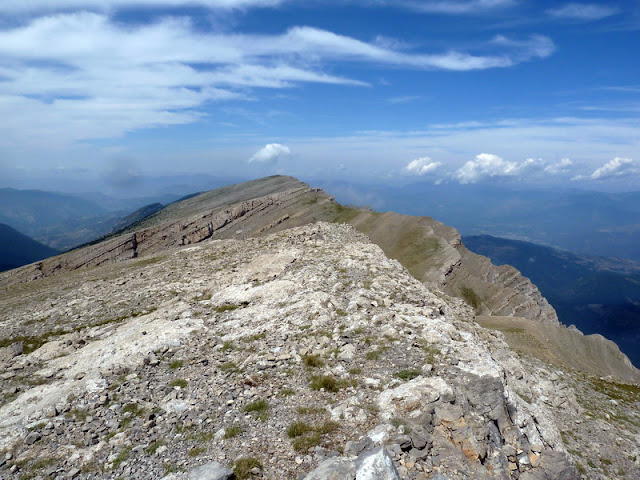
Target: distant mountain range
[(597, 294), (592, 223), (17, 249), (64, 221)]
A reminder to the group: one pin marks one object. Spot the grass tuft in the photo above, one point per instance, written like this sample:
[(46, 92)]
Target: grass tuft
[(226, 308), (232, 431), (327, 382), (471, 297), (259, 408), (176, 364), (179, 382), (244, 466), (407, 374), (312, 361)]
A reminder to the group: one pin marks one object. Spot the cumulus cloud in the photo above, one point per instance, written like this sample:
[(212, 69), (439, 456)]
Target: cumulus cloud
[(421, 166), (615, 168), (487, 165), (563, 166), (583, 11), (270, 153)]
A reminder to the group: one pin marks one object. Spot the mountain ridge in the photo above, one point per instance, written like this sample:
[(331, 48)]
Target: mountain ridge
[(260, 337), (431, 251)]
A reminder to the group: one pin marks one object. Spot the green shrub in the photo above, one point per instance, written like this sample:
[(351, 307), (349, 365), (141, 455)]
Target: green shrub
[(153, 446), (304, 443), (327, 427), (121, 457), (306, 435), (229, 367), (225, 308)]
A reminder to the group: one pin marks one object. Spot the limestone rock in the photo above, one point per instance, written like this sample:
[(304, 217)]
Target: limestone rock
[(376, 464), (336, 468), (281, 350)]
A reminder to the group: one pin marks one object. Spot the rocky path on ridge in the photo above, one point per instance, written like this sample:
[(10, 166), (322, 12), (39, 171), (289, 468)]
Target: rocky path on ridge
[(272, 355)]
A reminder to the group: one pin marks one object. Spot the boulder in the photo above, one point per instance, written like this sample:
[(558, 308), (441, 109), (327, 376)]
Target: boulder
[(335, 468), (376, 464)]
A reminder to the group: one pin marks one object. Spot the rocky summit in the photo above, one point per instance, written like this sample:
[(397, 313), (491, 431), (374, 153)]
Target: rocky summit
[(297, 348)]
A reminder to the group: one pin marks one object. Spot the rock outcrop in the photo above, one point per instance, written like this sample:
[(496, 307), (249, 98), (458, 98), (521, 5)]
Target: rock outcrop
[(305, 352)]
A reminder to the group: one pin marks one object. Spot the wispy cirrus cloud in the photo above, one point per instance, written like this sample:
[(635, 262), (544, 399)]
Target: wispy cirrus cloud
[(100, 79), (39, 6), (403, 99), (455, 7), (426, 6), (583, 11)]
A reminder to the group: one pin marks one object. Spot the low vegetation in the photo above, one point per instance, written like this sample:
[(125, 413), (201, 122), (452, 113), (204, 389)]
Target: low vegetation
[(471, 297), (232, 431), (407, 374), (244, 467), (306, 435), (258, 408), (328, 383), (312, 361)]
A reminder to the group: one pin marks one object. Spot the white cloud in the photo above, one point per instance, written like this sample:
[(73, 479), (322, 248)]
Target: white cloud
[(615, 168), (455, 6), (270, 153), (563, 166), (421, 166), (76, 76), (28, 6), (487, 165), (536, 46), (325, 44), (583, 11), (403, 99)]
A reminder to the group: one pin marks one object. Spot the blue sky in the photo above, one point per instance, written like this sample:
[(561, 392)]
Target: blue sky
[(466, 91)]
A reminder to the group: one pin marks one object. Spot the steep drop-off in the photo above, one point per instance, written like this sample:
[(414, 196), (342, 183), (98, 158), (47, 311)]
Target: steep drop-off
[(17, 249)]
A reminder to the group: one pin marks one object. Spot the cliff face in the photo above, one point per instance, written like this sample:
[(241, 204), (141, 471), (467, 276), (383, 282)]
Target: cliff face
[(298, 353)]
